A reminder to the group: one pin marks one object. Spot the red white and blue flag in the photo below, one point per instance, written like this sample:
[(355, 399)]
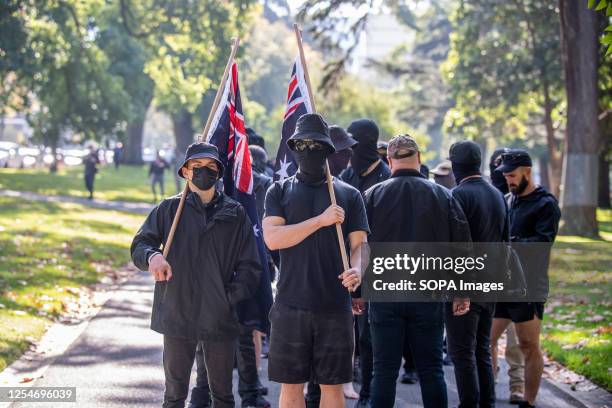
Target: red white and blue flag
[(298, 104), (227, 132)]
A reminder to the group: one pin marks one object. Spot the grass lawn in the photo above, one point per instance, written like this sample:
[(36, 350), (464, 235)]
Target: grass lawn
[(577, 327), (47, 252), (129, 183)]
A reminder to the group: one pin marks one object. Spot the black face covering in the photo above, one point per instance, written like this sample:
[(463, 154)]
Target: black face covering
[(338, 161), (311, 165), (364, 154), (499, 181), (204, 177), (461, 171)]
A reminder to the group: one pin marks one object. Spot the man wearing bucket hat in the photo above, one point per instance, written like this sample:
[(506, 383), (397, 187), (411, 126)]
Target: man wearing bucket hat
[(443, 174), (343, 142), (311, 321), (534, 217), (213, 265)]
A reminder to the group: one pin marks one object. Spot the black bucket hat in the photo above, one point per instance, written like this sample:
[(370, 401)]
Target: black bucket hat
[(513, 159), (202, 150), (312, 126), (340, 138)]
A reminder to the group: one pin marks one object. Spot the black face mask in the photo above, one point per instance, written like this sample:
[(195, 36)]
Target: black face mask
[(499, 181), (204, 177), (364, 154), (311, 165), (461, 171), (338, 161)]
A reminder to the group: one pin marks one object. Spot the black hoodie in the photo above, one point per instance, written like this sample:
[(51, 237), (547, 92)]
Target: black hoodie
[(534, 218)]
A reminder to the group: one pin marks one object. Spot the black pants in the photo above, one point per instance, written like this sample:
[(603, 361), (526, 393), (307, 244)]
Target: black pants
[(249, 385), (469, 338), (89, 182), (179, 355), (366, 359), (407, 354)]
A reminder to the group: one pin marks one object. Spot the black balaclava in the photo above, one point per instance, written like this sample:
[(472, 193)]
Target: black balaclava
[(497, 178), (339, 161), (204, 177), (365, 152), (258, 158), (311, 165), (463, 170)]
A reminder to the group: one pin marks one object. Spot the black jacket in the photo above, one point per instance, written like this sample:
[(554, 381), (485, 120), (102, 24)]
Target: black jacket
[(409, 208), (534, 218), (380, 173), (215, 264)]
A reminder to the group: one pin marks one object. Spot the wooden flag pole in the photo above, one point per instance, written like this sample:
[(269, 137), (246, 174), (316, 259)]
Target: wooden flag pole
[(330, 185), (213, 109)]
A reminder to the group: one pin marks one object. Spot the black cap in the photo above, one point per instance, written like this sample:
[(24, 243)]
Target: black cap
[(465, 152), (312, 126), (340, 138), (513, 159), (201, 150)]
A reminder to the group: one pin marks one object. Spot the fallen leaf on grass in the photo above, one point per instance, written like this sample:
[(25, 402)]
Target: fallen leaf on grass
[(26, 380)]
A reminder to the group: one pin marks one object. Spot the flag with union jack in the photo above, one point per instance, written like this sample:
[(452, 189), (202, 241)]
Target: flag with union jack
[(298, 104), (227, 132)]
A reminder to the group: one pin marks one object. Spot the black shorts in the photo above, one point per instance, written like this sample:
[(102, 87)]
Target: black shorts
[(519, 312), (307, 345)]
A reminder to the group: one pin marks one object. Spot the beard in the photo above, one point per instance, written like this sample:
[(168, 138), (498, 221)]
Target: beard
[(518, 189)]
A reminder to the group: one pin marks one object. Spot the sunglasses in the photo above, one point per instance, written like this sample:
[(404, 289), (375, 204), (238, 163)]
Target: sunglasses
[(310, 145)]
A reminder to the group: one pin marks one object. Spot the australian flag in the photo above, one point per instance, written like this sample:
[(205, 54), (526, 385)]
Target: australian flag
[(227, 132), (298, 104)]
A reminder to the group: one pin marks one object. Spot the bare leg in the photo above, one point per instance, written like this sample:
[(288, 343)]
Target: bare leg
[(292, 396), (499, 325), (332, 396), (257, 343), (528, 334)]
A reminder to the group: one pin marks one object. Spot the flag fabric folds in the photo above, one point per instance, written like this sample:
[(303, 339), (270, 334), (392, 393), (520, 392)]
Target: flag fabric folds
[(227, 132), (298, 104)]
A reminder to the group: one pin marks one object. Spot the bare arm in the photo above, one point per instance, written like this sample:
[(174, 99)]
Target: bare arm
[(351, 278), (277, 235)]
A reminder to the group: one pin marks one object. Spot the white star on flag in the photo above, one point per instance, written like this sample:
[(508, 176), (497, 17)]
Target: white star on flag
[(284, 166), (256, 230)]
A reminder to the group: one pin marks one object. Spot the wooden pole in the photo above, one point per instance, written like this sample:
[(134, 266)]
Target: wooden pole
[(213, 109), (328, 176)]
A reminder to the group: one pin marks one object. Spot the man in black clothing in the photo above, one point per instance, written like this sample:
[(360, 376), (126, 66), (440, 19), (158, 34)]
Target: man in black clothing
[(443, 174), (409, 208), (343, 142), (91, 162), (381, 147), (534, 217), (366, 167), (468, 336), (497, 177), (213, 264), (156, 173), (311, 321)]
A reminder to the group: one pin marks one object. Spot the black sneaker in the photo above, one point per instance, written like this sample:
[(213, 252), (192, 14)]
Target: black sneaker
[(256, 402), (525, 404), (363, 403), (263, 390), (409, 377)]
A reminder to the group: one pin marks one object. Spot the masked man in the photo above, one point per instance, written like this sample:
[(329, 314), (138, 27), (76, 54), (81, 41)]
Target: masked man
[(311, 321), (212, 265)]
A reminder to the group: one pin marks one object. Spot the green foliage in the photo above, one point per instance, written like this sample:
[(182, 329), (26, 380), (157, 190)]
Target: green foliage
[(604, 6), (504, 58)]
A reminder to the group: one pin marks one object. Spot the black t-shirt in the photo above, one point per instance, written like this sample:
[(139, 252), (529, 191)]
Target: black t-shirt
[(309, 271), (379, 174), (485, 209)]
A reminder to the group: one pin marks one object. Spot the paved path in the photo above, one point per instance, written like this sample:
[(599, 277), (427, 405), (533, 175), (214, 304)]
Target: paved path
[(116, 361), (140, 208)]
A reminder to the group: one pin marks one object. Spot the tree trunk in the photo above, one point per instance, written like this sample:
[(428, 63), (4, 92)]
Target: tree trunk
[(603, 200), (544, 172), (555, 160), (53, 166), (580, 57), (132, 152), (182, 123)]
